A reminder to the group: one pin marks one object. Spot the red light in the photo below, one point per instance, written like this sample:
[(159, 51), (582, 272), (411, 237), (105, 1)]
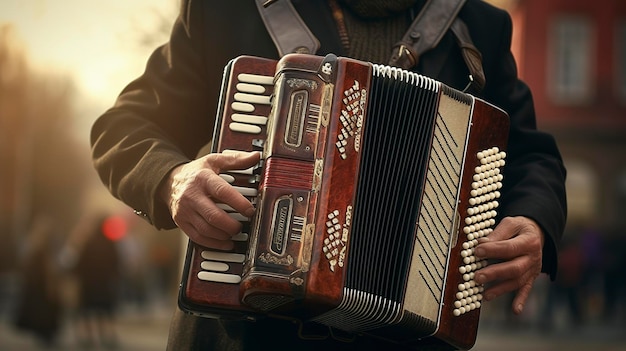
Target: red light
[(114, 228)]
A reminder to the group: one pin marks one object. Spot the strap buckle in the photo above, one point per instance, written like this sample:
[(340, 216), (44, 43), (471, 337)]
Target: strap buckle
[(404, 57)]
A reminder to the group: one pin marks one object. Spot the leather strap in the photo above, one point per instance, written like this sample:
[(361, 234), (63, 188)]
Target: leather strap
[(291, 35), (471, 55), (287, 29), (425, 32)]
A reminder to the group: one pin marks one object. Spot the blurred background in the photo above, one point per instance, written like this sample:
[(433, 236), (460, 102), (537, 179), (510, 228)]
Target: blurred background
[(63, 62)]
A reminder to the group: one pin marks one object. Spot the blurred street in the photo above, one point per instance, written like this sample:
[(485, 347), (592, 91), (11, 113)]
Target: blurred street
[(137, 330), (147, 330)]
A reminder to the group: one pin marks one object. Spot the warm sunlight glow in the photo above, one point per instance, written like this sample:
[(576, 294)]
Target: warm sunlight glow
[(94, 43)]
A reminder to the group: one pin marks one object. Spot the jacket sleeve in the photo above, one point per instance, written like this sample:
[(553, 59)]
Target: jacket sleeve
[(159, 120), (534, 184)]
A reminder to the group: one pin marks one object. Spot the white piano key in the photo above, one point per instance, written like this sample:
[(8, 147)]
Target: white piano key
[(244, 128), (238, 217), (249, 119), (223, 256), (240, 237), (249, 192), (242, 107), (248, 171), (219, 277), (250, 88), (253, 98), (214, 266), (225, 207), (228, 178), (255, 79)]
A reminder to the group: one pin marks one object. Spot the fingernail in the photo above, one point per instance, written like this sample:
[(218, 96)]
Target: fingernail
[(479, 252), (490, 297), (479, 278), (250, 212), (519, 308)]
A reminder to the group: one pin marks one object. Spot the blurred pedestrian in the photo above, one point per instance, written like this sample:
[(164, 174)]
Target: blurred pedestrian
[(614, 286), (39, 307), (567, 290), (98, 273)]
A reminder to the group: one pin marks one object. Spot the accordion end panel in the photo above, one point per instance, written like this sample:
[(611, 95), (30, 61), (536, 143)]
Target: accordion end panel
[(477, 213)]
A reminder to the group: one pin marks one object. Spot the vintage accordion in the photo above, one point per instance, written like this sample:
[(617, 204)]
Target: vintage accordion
[(375, 185)]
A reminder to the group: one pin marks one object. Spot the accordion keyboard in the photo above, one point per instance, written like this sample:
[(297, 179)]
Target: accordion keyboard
[(245, 119), (479, 222)]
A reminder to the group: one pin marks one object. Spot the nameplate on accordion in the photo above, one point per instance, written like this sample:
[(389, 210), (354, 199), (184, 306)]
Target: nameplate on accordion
[(374, 187)]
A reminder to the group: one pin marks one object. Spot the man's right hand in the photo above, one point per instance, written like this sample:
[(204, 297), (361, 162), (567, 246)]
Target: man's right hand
[(193, 190)]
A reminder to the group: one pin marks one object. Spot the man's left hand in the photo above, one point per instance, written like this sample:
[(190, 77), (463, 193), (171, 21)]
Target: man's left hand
[(516, 244)]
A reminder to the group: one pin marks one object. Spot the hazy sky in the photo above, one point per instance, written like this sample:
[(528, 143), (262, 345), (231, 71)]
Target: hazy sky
[(95, 42)]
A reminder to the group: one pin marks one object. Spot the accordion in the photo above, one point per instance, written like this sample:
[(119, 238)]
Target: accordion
[(374, 186)]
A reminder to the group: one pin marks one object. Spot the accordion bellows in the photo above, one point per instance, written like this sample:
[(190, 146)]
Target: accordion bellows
[(375, 185)]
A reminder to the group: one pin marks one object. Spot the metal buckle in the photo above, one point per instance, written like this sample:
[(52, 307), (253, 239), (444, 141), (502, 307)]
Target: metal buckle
[(405, 56)]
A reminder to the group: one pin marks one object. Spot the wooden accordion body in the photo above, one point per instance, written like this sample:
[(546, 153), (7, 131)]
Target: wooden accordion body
[(375, 185)]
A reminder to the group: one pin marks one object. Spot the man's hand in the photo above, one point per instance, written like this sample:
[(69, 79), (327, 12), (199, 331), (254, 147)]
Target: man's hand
[(193, 191), (517, 244)]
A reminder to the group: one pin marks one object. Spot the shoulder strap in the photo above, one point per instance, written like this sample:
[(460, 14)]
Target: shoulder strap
[(425, 32), (471, 55), (290, 34), (287, 29)]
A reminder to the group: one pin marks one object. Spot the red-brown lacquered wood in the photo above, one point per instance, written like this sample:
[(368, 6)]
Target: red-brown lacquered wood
[(212, 298), (228, 139), (490, 127), (295, 131), (327, 276), (312, 280), (277, 263), (279, 258)]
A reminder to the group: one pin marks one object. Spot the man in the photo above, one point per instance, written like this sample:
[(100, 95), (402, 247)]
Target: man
[(145, 147)]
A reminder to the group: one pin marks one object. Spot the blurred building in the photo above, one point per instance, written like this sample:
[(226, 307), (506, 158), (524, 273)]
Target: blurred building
[(572, 53)]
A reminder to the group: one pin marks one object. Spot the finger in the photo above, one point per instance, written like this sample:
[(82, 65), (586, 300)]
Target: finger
[(202, 233), (507, 270), (506, 249), (194, 224), (210, 242), (216, 217), (521, 245), (222, 192), (499, 289), (520, 298), (233, 160), (506, 229), (495, 244), (196, 207), (509, 286)]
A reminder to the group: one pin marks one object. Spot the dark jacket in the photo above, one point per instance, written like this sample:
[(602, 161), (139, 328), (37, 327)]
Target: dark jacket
[(166, 116)]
